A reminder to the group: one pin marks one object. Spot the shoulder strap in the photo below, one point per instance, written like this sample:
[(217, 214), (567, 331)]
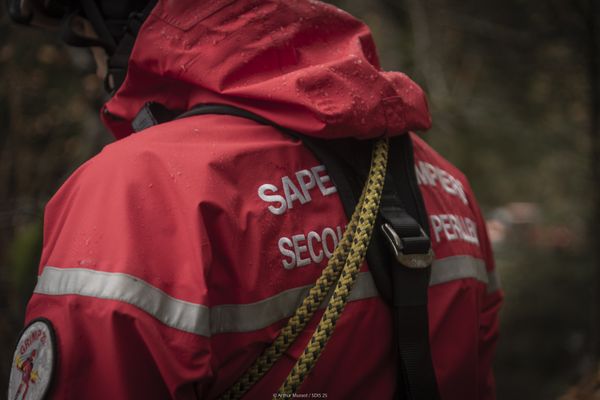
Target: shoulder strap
[(403, 285), (347, 162), (410, 284)]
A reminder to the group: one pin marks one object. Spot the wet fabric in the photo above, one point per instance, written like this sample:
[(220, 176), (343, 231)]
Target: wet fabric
[(174, 257)]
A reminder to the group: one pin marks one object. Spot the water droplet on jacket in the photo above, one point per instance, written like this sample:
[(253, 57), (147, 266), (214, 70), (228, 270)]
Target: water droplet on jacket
[(150, 185)]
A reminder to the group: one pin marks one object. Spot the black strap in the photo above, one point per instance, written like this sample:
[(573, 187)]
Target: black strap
[(405, 289), (410, 284), (93, 14), (347, 162), (151, 114), (223, 109), (118, 61), (74, 38)]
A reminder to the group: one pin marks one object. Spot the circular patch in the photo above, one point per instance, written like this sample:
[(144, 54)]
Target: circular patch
[(33, 362)]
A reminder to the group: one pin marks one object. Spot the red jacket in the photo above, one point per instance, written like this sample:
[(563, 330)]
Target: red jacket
[(174, 256)]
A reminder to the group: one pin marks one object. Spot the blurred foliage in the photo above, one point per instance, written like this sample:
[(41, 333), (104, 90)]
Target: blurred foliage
[(508, 87), (509, 91), (587, 389), (49, 102), (545, 321)]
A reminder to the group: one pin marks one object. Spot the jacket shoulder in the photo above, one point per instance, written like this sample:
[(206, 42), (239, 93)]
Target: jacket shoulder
[(425, 153), (122, 209), (456, 222)]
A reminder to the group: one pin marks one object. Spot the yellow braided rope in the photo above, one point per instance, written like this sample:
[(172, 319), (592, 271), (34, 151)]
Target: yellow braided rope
[(338, 300), (302, 315), (317, 293)]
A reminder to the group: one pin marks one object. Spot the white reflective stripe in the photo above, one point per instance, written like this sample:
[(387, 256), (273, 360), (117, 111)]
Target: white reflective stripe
[(364, 287), (254, 316), (202, 320), (462, 267), (457, 267), (179, 314)]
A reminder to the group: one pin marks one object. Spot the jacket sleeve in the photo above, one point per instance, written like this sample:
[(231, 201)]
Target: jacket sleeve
[(488, 320), (121, 281)]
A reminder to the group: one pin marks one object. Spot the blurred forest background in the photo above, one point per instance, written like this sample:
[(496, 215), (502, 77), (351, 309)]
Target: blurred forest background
[(514, 88)]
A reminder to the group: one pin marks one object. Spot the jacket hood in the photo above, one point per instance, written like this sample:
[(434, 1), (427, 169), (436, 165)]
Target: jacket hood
[(305, 65)]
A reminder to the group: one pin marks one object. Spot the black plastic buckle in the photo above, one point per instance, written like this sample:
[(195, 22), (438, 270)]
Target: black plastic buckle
[(420, 259), (151, 114)]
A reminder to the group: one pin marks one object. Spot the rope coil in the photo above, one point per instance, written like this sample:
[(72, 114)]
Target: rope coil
[(342, 270)]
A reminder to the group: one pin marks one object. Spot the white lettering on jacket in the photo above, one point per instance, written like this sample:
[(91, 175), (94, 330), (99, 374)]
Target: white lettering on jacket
[(428, 174), (296, 189), (453, 227), (301, 250)]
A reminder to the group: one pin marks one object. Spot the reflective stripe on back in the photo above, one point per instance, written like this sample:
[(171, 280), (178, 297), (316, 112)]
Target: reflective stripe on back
[(457, 267), (462, 267), (202, 320)]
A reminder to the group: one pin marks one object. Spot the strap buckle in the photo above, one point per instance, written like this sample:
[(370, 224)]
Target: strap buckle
[(410, 260)]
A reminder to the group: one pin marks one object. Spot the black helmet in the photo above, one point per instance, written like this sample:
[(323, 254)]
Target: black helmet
[(116, 23)]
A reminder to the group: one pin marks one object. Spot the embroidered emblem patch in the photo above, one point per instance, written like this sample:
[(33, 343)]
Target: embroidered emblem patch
[(33, 362)]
